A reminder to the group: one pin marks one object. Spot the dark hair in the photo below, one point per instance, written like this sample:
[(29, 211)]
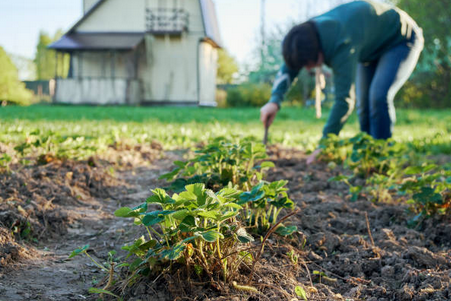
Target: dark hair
[(301, 45)]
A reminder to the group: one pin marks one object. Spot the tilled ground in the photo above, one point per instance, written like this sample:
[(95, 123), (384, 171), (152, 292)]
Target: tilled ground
[(344, 250), (367, 248)]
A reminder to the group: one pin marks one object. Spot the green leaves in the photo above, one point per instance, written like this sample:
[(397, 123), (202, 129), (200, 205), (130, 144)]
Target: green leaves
[(265, 165), (211, 236), (78, 251), (428, 195), (155, 217), (283, 202), (131, 212), (188, 224), (412, 170), (278, 186), (180, 214), (285, 231), (171, 175), (125, 212), (339, 178), (428, 190), (139, 246), (300, 292), (199, 192), (173, 253), (243, 236), (160, 197), (256, 194)]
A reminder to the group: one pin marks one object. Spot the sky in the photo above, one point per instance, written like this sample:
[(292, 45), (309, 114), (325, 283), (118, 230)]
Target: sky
[(239, 22)]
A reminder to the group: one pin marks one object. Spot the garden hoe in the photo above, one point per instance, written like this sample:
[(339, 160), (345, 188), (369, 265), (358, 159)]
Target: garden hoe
[(265, 137)]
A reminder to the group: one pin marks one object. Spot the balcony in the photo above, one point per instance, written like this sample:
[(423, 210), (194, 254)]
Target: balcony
[(162, 21)]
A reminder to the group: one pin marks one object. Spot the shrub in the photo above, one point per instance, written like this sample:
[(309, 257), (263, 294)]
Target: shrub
[(11, 89), (248, 95)]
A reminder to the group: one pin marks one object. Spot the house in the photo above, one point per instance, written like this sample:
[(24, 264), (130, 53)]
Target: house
[(141, 52)]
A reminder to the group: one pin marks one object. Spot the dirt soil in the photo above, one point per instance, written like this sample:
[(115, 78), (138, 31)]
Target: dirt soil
[(344, 250)]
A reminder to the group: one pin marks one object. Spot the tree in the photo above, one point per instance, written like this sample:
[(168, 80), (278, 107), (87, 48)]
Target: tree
[(26, 68), (227, 67), (45, 58), (271, 60), (11, 89), (431, 82)]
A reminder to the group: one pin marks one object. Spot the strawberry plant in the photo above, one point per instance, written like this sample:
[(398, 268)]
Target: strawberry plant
[(5, 161), (380, 162), (334, 149), (264, 202), (53, 145), (108, 267), (354, 191), (429, 190), (377, 186), (220, 163), (223, 163), (375, 156), (199, 230)]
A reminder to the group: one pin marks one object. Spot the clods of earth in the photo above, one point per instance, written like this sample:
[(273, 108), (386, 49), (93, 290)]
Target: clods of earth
[(343, 250)]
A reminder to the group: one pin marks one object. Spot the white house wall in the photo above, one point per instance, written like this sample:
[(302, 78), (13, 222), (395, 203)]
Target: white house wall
[(97, 91), (130, 15), (169, 70), (88, 4), (208, 70)]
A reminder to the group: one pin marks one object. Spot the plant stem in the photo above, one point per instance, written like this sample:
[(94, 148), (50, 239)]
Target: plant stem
[(95, 262), (156, 232), (148, 232), (276, 213), (110, 277), (218, 247), (273, 228), (202, 255)]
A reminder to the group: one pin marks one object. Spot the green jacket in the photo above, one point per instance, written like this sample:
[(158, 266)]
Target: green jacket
[(357, 32)]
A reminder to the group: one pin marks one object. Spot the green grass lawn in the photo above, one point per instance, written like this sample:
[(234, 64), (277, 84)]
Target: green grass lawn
[(184, 126)]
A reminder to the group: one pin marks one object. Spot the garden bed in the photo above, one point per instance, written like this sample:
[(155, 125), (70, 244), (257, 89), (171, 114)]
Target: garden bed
[(343, 250)]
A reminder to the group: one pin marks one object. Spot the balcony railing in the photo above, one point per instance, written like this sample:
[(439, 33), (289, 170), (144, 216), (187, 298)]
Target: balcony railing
[(167, 21)]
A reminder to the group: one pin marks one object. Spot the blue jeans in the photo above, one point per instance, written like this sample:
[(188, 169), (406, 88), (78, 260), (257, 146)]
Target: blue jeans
[(378, 82)]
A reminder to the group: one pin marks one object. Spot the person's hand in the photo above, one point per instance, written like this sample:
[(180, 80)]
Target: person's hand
[(268, 113), (312, 157)]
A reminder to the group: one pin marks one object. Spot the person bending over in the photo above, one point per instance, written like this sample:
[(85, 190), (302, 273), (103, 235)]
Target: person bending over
[(372, 49)]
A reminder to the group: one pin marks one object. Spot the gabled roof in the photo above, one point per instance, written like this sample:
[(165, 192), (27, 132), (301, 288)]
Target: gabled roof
[(86, 15), (208, 16), (98, 41), (210, 22)]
